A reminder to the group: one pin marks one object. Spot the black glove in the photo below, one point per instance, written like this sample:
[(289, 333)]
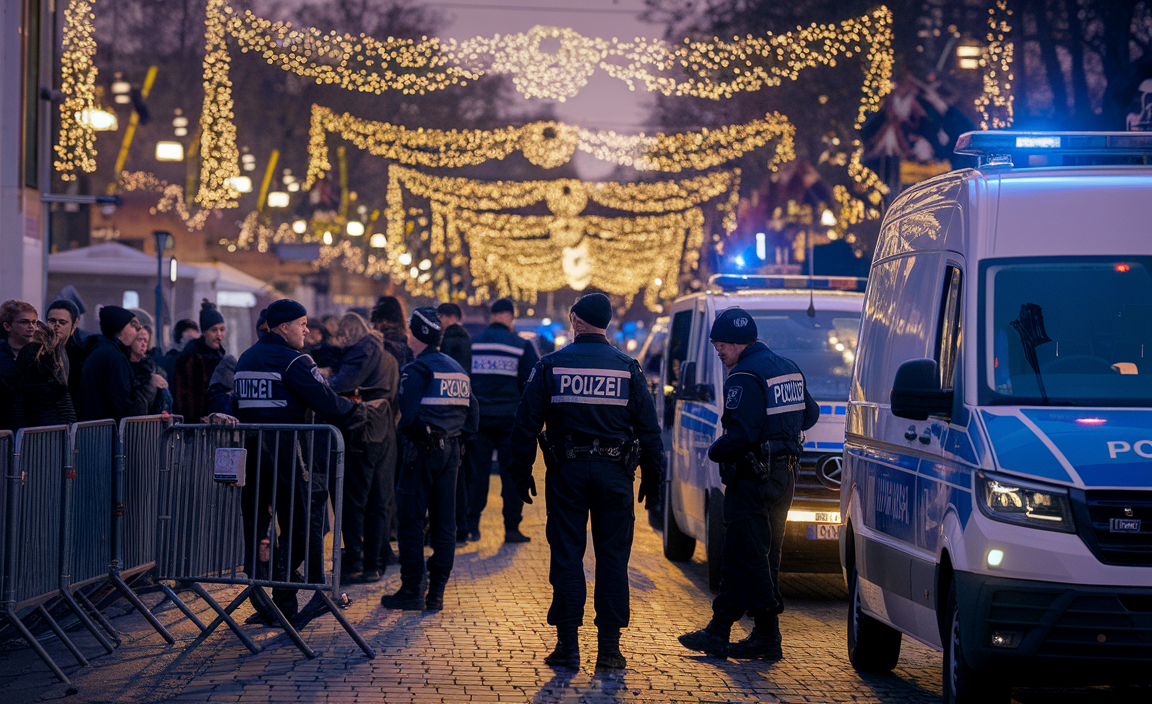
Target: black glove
[(416, 433), (525, 482), (648, 494)]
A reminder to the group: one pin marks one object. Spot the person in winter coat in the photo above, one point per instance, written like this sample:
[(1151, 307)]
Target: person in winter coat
[(319, 346), (106, 381), (457, 343), (195, 365), (369, 373), (150, 394), (17, 323), (43, 394), (388, 317), (185, 331)]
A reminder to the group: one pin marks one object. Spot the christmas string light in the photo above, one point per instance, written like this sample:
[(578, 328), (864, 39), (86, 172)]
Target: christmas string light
[(995, 103), (219, 157), (76, 148), (515, 255), (171, 197), (547, 144)]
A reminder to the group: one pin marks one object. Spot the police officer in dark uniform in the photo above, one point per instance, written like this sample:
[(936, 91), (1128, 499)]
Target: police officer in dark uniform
[(766, 409), (600, 421), (501, 363), (276, 382), (436, 406)]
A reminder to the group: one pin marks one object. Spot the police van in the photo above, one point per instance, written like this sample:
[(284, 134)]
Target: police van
[(997, 481), (813, 322)]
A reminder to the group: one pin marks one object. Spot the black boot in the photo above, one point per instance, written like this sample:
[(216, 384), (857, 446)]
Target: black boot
[(608, 655), (408, 597), (435, 599), (515, 536), (762, 644), (567, 652), (316, 606), (712, 640)]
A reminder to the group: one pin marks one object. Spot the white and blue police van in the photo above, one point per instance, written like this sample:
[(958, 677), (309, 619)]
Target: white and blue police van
[(997, 480), (813, 322)]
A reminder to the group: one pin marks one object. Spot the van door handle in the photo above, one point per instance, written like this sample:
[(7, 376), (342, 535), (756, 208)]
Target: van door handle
[(910, 433), (926, 436)]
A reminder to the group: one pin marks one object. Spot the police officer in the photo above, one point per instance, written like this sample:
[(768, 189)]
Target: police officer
[(595, 402), (501, 363), (766, 408), (436, 406), (275, 382)]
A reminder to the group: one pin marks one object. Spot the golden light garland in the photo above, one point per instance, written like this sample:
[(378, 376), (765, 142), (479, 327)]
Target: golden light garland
[(458, 203), (218, 153), (171, 197), (547, 144), (519, 256), (362, 63), (995, 103), (76, 148)]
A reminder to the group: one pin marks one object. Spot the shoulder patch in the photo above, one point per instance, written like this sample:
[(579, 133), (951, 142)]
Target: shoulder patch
[(531, 375), (318, 376), (732, 399)]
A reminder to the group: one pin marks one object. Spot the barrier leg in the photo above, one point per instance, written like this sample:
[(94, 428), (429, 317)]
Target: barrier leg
[(62, 635), (31, 640), (351, 630), (70, 600), (289, 629), (100, 618), (225, 616), (171, 594), (130, 595)]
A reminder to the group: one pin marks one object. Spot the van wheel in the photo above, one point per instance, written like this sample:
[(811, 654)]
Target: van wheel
[(677, 546), (714, 546), (963, 684), (873, 646)]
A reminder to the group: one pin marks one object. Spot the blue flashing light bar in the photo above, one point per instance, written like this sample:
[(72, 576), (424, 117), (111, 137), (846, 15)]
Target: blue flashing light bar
[(997, 146), (740, 282)]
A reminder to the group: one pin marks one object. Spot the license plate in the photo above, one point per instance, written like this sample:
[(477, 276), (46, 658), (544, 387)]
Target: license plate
[(1124, 525), (823, 531)]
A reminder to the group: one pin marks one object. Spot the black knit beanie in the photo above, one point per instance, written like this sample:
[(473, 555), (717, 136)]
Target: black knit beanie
[(113, 319), (594, 309), (209, 316), (425, 325)]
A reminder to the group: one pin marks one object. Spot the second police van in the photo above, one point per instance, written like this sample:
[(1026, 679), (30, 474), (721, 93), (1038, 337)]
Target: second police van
[(813, 322), (997, 483)]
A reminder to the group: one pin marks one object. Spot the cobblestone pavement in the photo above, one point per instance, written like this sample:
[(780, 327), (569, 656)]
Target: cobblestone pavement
[(487, 646)]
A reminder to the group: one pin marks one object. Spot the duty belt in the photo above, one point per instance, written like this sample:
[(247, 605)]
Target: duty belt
[(613, 452)]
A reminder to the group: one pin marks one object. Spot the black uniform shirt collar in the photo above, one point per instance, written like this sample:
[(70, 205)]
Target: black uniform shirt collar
[(272, 338), (430, 349), (591, 337), (751, 350), (499, 326)]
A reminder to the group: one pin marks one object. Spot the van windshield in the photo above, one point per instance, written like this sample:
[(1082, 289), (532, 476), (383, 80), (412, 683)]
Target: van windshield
[(823, 347), (1069, 331)]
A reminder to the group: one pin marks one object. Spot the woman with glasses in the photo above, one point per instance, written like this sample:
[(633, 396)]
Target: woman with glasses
[(43, 397)]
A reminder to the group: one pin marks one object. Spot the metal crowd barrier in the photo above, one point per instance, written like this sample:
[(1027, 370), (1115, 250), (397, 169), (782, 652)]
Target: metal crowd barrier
[(135, 506), (87, 531), (34, 532), (225, 490)]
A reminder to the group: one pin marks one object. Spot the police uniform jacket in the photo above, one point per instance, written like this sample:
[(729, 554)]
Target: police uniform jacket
[(588, 391), (275, 383), (765, 398), (501, 363), (436, 397)]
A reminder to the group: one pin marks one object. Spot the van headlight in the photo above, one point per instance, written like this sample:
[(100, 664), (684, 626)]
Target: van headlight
[(1010, 500)]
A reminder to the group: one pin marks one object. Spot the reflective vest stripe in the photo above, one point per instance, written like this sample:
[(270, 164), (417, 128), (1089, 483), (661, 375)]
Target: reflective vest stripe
[(275, 376), (261, 403), (785, 409), (453, 376), (784, 378), (444, 401), (497, 347), (495, 364), (571, 371), (591, 400)]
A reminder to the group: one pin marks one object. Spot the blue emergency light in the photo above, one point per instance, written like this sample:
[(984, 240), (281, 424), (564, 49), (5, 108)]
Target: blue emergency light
[(996, 147), (742, 282)]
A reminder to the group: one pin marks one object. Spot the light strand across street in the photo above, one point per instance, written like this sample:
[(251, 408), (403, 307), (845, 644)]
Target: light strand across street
[(547, 144)]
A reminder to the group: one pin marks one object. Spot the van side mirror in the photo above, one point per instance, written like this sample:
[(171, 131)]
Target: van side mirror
[(916, 392), (687, 376)]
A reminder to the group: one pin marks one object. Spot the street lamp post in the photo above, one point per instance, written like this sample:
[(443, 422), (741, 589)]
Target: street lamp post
[(161, 241)]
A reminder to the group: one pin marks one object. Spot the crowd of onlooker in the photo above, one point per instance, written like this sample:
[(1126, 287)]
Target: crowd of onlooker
[(52, 372)]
